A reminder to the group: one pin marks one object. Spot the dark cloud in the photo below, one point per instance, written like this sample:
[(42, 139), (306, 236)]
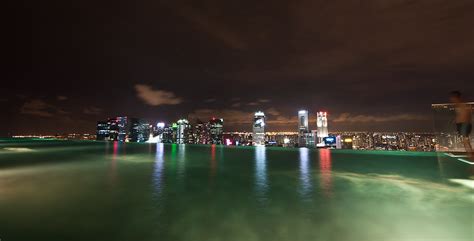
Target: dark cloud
[(210, 100), (40, 108), (349, 118), (214, 27), (92, 110)]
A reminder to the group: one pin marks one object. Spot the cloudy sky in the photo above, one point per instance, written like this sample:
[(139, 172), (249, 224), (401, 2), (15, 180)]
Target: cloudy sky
[(372, 64)]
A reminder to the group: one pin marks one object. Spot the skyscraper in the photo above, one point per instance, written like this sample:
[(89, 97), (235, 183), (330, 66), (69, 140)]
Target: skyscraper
[(103, 131), (139, 130), (322, 124), (158, 131), (303, 128), (183, 131), (201, 133), (169, 133), (118, 128), (259, 129), (216, 127)]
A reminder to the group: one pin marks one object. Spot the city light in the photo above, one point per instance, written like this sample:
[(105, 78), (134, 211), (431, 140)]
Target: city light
[(185, 132)]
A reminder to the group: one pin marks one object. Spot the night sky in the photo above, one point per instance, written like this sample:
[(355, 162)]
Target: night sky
[(372, 64)]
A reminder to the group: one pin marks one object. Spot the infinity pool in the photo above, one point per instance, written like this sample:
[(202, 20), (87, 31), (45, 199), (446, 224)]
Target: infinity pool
[(66, 191)]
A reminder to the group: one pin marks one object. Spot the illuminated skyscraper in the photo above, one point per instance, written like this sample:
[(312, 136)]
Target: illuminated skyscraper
[(322, 124), (183, 131), (201, 133), (259, 129), (103, 130), (139, 130), (118, 128), (158, 131), (215, 130), (169, 133), (303, 127)]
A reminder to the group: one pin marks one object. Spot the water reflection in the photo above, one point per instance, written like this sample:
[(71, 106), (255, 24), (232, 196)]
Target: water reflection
[(261, 182), (305, 178), (159, 168), (113, 163), (325, 168), (181, 162), (213, 164), (213, 160)]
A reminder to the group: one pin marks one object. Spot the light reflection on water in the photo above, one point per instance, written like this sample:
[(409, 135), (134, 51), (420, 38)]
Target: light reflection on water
[(213, 161), (261, 179), (162, 196), (325, 165), (213, 166), (113, 163), (305, 177), (181, 161), (159, 168)]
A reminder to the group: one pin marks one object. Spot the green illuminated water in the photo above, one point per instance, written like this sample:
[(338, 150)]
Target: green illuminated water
[(58, 190)]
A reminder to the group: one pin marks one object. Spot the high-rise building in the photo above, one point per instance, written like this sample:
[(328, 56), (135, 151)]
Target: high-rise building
[(103, 131), (201, 133), (139, 130), (259, 129), (158, 131), (216, 127), (322, 124), (118, 128), (169, 133), (303, 128), (183, 132)]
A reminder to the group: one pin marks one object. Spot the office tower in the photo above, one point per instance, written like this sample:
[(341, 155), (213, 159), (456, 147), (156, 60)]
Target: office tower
[(259, 129), (183, 132), (139, 130), (169, 133), (303, 128), (103, 131), (322, 124), (118, 128), (201, 133), (158, 131), (216, 127)]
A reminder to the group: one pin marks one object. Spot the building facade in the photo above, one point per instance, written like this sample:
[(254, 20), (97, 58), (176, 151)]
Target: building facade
[(139, 130), (216, 129), (102, 131), (303, 128), (118, 128), (183, 132), (322, 124), (259, 129)]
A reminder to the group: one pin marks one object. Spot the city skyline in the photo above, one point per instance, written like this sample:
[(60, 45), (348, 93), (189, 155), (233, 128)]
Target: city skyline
[(293, 123), (165, 61)]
